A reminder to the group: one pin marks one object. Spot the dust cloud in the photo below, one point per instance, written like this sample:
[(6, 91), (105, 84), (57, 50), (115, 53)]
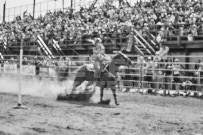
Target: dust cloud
[(44, 87)]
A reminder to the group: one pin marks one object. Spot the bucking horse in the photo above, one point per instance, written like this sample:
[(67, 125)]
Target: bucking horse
[(106, 79)]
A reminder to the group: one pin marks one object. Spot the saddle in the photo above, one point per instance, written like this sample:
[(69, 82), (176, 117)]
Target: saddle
[(97, 72)]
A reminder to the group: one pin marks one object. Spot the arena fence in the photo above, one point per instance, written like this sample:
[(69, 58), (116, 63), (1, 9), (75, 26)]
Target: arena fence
[(145, 73)]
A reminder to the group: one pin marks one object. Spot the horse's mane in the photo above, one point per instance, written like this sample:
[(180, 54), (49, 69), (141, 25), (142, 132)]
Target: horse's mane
[(112, 60), (117, 55)]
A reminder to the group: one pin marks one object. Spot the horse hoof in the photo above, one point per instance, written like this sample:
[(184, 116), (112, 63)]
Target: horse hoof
[(105, 102), (117, 104)]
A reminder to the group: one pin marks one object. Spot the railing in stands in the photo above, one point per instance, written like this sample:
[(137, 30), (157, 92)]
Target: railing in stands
[(140, 52), (114, 40), (148, 46), (171, 35)]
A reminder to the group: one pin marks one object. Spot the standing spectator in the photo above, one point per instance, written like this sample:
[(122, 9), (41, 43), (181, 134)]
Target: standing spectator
[(199, 73), (137, 70), (163, 52), (130, 42), (176, 74), (37, 66), (159, 73), (149, 73), (161, 35), (168, 74)]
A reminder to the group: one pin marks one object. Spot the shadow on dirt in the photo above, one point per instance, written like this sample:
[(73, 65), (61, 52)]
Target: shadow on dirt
[(82, 100), (82, 104)]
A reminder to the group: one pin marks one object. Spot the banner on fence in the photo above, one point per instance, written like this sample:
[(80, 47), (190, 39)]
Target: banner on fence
[(10, 68), (28, 70)]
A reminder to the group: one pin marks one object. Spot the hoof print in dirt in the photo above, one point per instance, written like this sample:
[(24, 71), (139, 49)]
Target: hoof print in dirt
[(105, 102)]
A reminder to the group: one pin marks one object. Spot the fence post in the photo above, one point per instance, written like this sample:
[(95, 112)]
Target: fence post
[(141, 75), (19, 105), (4, 12), (34, 9), (199, 81)]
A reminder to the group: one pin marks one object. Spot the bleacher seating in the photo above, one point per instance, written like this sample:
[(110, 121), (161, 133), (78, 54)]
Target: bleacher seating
[(175, 23)]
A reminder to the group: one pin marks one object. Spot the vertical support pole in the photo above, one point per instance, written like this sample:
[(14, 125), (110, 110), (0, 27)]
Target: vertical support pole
[(120, 2), (71, 3), (14, 12), (141, 75), (63, 5), (34, 9), (187, 60), (199, 85), (55, 5), (20, 10), (19, 105), (4, 11), (20, 75), (40, 9), (47, 6)]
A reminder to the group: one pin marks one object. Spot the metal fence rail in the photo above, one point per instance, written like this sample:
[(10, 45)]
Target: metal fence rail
[(138, 77)]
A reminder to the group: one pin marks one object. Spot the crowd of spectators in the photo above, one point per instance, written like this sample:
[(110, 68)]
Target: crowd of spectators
[(163, 17)]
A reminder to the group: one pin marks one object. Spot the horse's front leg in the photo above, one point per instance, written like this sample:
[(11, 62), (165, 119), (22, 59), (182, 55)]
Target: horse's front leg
[(115, 97), (101, 93)]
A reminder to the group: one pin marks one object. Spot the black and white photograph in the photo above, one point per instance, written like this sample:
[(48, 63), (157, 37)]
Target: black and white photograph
[(101, 67)]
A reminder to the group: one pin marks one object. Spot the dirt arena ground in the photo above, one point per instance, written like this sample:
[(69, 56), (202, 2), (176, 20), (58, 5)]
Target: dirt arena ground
[(136, 115)]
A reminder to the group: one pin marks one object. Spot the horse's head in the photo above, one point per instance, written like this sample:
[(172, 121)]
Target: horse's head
[(122, 59), (118, 60)]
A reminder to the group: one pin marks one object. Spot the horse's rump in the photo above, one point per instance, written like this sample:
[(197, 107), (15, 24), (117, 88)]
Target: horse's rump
[(83, 74)]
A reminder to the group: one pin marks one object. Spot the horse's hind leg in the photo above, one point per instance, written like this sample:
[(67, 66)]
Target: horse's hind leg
[(101, 94), (115, 97)]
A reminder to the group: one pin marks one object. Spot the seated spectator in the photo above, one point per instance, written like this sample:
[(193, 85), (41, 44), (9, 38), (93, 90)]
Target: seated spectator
[(190, 37), (187, 85), (170, 29), (25, 61), (161, 35), (182, 31)]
